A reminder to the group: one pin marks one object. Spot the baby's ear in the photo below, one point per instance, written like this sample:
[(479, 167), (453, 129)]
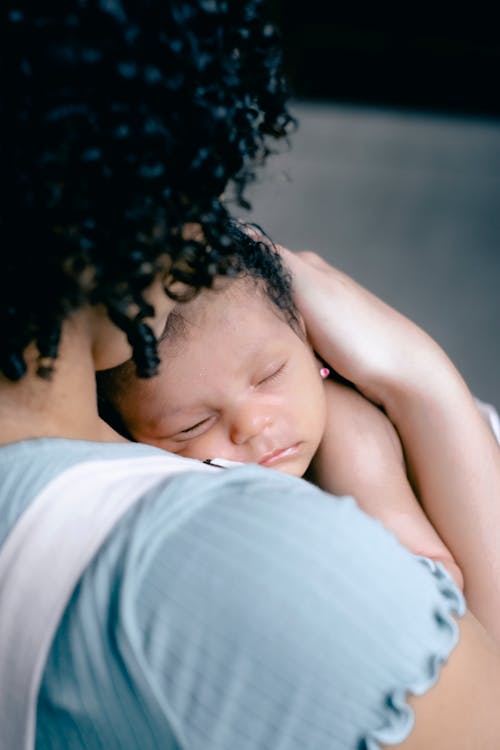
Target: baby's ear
[(298, 326), (301, 325)]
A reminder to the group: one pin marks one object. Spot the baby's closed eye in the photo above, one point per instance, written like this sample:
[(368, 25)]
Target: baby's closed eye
[(193, 430), (194, 427), (274, 374)]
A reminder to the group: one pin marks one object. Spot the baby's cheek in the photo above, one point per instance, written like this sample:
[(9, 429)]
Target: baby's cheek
[(157, 442), (211, 446), (165, 445), (200, 449), (191, 451)]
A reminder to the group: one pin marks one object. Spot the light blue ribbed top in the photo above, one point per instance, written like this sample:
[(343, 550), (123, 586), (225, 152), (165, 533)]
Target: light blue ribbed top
[(239, 610)]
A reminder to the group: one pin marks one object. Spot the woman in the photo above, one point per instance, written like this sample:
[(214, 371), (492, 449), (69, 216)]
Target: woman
[(144, 605)]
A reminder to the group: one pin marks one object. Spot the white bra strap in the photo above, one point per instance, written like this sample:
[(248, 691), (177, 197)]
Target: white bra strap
[(41, 562)]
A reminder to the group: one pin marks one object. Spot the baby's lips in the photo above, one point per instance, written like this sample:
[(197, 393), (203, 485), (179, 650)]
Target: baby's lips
[(272, 457)]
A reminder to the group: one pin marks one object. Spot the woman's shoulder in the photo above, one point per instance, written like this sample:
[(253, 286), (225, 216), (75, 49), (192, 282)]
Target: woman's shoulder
[(27, 466), (229, 602)]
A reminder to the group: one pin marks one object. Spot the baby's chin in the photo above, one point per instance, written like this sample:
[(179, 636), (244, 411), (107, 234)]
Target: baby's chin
[(293, 472)]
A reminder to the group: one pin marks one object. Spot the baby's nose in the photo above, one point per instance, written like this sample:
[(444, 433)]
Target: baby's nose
[(248, 423)]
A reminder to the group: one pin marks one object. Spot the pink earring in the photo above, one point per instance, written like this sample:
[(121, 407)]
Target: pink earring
[(324, 372)]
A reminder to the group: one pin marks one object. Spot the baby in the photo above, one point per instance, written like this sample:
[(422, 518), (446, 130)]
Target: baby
[(239, 381)]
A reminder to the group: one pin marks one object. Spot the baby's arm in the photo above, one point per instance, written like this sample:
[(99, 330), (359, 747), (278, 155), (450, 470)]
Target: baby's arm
[(361, 455)]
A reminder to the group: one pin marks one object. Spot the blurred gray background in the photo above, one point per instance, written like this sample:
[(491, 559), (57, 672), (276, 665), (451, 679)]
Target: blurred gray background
[(408, 204)]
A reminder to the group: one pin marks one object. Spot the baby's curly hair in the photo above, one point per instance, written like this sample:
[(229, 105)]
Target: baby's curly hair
[(124, 121)]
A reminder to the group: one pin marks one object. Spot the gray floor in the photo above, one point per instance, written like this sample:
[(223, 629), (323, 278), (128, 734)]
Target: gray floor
[(408, 204)]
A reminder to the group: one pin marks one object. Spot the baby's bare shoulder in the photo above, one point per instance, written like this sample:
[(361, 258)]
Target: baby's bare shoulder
[(357, 423)]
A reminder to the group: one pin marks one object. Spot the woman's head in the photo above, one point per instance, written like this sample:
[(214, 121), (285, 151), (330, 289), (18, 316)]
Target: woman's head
[(238, 380), (122, 122)]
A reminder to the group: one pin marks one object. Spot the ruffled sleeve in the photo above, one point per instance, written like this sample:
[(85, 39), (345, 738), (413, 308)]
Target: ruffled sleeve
[(399, 717)]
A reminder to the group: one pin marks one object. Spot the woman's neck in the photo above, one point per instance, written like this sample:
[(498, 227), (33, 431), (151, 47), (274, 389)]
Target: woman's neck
[(64, 406)]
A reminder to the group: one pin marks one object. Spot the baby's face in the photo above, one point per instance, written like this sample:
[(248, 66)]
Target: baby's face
[(238, 384)]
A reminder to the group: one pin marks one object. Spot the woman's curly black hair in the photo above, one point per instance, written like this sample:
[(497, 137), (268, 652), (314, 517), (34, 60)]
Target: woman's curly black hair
[(123, 121)]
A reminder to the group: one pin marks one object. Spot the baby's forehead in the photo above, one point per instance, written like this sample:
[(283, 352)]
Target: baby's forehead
[(230, 306), (234, 331)]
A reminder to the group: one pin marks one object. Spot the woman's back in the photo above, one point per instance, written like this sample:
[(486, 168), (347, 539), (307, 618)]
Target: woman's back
[(231, 593)]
